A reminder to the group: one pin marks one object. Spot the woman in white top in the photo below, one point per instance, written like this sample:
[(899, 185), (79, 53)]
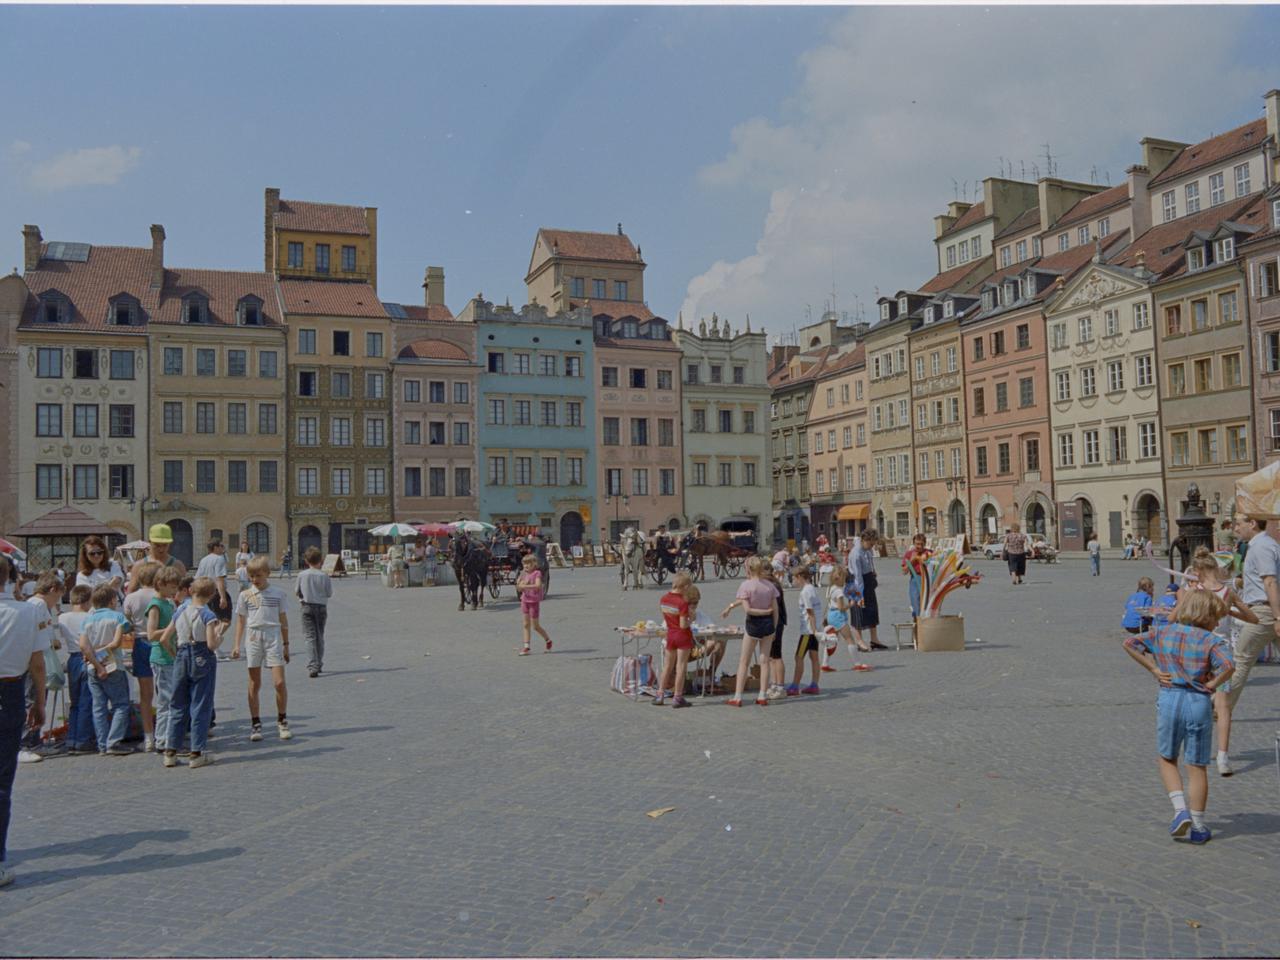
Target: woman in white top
[(94, 566)]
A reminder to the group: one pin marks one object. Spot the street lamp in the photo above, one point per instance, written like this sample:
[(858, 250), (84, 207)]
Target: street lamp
[(143, 505), (618, 501)]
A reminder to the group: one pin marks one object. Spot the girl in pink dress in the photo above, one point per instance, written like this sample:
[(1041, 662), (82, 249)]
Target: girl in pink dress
[(529, 589)]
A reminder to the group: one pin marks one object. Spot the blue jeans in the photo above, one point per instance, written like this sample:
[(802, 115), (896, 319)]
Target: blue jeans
[(110, 708), (913, 595), (80, 721), (1095, 563), (195, 671), (13, 717), (1184, 723), (164, 694)]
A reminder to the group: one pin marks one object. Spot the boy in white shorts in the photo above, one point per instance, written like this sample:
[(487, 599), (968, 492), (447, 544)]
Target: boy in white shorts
[(261, 609)]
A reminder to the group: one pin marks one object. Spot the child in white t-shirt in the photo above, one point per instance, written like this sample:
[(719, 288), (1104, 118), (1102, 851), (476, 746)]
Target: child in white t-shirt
[(810, 617), (261, 609)]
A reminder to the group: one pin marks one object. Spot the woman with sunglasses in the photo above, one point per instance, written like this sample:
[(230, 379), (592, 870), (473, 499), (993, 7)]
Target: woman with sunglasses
[(94, 567)]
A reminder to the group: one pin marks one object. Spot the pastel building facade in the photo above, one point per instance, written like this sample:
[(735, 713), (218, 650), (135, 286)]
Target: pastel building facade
[(839, 450), (1261, 253)]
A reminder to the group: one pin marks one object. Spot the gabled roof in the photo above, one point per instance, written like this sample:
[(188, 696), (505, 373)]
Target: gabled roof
[(329, 298), (64, 521), (224, 288), (975, 214), (321, 217), (1026, 220), (1271, 230), (962, 278), (90, 285), (1162, 244), (1215, 150), (584, 245), (1090, 207), (428, 349)]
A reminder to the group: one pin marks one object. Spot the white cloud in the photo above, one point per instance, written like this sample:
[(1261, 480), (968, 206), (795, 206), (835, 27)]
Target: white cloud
[(18, 148), (89, 166), (898, 102)]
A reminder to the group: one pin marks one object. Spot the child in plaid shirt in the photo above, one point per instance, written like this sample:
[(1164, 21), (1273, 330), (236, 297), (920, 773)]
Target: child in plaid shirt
[(1189, 663)]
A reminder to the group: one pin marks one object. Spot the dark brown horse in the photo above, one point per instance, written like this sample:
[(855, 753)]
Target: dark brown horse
[(470, 562), (715, 545)]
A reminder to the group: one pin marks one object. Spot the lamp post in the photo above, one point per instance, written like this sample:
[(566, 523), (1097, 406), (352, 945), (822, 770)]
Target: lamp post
[(618, 502), (143, 505)]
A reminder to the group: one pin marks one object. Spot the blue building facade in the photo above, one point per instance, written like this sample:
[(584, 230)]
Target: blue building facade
[(536, 418)]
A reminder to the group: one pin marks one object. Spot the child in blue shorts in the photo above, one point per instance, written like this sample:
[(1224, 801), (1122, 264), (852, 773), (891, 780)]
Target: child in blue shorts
[(1189, 663)]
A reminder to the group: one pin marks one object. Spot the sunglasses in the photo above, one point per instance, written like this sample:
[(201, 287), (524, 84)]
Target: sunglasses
[(93, 553)]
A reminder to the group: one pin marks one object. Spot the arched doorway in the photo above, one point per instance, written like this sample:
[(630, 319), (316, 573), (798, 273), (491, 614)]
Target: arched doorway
[(988, 521), (258, 538), (929, 521), (183, 542), (571, 529), (1086, 518), (1037, 518), (956, 518), (1146, 517), (308, 536)]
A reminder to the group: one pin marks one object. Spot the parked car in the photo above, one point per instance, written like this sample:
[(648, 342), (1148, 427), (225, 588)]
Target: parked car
[(1038, 548)]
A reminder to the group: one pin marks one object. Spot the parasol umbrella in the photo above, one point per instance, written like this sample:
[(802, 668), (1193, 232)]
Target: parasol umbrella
[(135, 545), (435, 529), (473, 526), (394, 530), (11, 550)]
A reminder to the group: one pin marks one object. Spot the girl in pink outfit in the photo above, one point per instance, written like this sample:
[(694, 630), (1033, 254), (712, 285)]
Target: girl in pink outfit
[(529, 589)]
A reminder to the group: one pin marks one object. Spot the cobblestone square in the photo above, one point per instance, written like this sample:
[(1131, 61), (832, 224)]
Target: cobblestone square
[(443, 796)]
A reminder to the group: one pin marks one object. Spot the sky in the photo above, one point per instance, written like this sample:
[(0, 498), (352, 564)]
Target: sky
[(770, 162)]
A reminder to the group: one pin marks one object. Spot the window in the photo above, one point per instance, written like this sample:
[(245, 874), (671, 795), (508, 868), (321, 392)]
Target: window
[(1142, 368), (340, 482), (1242, 179), (1064, 242), (922, 472), (1146, 440), (49, 362), (461, 392), (817, 441), (435, 390), (919, 368), (1104, 227), (573, 413), (613, 482), (1192, 191), (667, 482), (373, 344), (879, 418), (1237, 443), (893, 471), (237, 418), (462, 481), (951, 256), (1177, 379), (1002, 397), (1231, 370), (349, 266), (308, 481), (608, 376), (342, 343), (1035, 246), (206, 476), (1084, 329), (1111, 323), (1204, 374), (375, 432), (206, 418), (980, 460), (699, 475), (340, 384), (551, 471), (497, 362), (522, 364), (413, 432), (237, 476), (979, 402), (375, 385), (1063, 378), (461, 433), (1026, 392), (306, 342), (1181, 449), (666, 433), (748, 421), (267, 476), (935, 363), (1217, 189), (84, 481), (1173, 320), (85, 420), (1059, 336), (1195, 258), (902, 412), (412, 391), (879, 465), (1269, 277), (717, 376), (699, 422), (436, 482), (577, 287), (1082, 235), (1141, 315), (1006, 256), (1092, 448), (1117, 444), (1275, 213), (640, 430), (1199, 314), (295, 254), (195, 308), (575, 471), (739, 375), (172, 417), (1020, 251), (977, 348), (1032, 448), (1169, 200), (497, 411), (546, 364), (1003, 464), (1208, 441), (121, 364), (1115, 375), (48, 419), (939, 464), (322, 262), (724, 420), (206, 362), (308, 431), (619, 289), (1022, 334), (1228, 307), (340, 431), (86, 364), (548, 411), (48, 481), (1088, 382), (612, 431), (1271, 353), (267, 365)]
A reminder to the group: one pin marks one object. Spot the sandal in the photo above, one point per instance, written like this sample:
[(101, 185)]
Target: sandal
[(733, 702)]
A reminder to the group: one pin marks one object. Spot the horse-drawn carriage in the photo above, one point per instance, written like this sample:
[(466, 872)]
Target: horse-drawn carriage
[(728, 552), (506, 563)]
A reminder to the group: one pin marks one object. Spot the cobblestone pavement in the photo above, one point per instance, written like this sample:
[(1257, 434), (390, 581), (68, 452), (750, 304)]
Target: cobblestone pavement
[(443, 796)]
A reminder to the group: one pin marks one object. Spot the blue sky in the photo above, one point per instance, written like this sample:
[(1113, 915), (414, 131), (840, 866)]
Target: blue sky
[(756, 154)]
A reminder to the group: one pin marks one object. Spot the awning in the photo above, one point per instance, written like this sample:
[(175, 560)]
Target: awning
[(64, 522), (854, 511)]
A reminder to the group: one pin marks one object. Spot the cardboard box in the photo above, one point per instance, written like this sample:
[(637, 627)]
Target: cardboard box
[(939, 634)]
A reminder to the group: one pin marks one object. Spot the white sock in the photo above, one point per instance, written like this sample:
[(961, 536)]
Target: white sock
[(853, 651), (1179, 800), (1222, 756), (1197, 819)]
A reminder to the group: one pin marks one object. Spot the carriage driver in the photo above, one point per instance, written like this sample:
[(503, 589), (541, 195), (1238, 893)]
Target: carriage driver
[(666, 551)]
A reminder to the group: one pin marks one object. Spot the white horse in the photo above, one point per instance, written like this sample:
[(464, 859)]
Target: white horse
[(633, 547)]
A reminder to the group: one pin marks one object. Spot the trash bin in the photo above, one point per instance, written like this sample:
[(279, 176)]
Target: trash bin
[(940, 634)]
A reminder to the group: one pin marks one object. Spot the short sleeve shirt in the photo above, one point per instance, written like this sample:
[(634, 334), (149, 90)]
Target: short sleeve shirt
[(19, 637), (159, 656), (100, 628), (213, 565), (674, 606), (1191, 655), (261, 608), (809, 600), (1262, 560), (191, 624), (759, 594)]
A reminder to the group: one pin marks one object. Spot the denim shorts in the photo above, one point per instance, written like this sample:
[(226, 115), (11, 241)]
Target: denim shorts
[(140, 665), (1184, 721), (837, 619), (759, 625)]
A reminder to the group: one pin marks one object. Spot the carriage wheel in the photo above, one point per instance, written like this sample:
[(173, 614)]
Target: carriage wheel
[(659, 573), (494, 586), (696, 569), (734, 566)]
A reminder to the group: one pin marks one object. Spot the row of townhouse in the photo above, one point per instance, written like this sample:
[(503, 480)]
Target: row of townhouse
[(1082, 355), (291, 407)]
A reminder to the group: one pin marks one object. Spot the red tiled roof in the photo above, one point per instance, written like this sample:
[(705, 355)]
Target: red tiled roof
[(1093, 205), (321, 217), (959, 279), (1067, 262), (781, 375), (845, 362), (1162, 244), (615, 309), (1214, 150), (1026, 220), (583, 245), (90, 286), (436, 312), (433, 350), (224, 288), (330, 298), (974, 214)]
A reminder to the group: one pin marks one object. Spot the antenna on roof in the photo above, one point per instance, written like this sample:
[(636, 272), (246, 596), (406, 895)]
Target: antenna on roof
[(1108, 178), (1093, 174), (1049, 163), (1001, 161), (1035, 171), (955, 188), (1023, 164)]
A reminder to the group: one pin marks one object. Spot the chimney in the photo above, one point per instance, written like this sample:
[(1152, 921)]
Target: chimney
[(157, 256), (1139, 199), (272, 195), (1272, 99), (1158, 154), (371, 218), (31, 241), (433, 284)]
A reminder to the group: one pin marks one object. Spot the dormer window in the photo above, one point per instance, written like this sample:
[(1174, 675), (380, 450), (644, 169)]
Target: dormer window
[(1009, 296), (602, 327), (249, 311), (1029, 285), (629, 329), (949, 308), (54, 307), (902, 306), (1275, 213), (884, 307), (988, 298), (1195, 258), (928, 314), (1224, 249), (123, 311), (195, 308)]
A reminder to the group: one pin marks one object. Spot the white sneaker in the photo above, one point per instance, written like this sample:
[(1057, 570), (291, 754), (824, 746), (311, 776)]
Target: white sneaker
[(285, 732), (775, 693), (1224, 766), (29, 756), (6, 875), (201, 761), (149, 745)]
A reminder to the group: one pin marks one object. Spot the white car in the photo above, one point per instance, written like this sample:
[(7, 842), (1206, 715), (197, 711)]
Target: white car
[(1038, 548)]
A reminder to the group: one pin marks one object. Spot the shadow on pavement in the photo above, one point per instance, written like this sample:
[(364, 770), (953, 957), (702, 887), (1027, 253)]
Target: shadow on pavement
[(143, 864), (1251, 824), (105, 847), (343, 673), (250, 753)]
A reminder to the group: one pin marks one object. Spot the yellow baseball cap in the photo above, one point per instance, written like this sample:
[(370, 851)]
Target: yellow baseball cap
[(160, 533)]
